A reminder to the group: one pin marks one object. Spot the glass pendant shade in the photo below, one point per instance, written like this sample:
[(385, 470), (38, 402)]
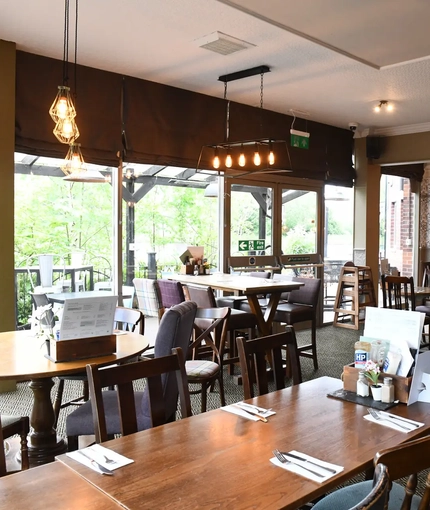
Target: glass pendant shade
[(66, 130), (74, 161), (62, 108)]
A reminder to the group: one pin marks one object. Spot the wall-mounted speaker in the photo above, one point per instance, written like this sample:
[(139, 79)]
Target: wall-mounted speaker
[(373, 147)]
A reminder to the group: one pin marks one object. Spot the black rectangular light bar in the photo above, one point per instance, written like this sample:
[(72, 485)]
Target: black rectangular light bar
[(238, 75)]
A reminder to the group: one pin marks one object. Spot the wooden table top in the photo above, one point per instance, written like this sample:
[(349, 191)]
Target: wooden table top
[(23, 356), (52, 486), (232, 283), (220, 460)]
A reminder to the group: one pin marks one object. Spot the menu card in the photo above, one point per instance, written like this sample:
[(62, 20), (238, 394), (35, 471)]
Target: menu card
[(87, 317)]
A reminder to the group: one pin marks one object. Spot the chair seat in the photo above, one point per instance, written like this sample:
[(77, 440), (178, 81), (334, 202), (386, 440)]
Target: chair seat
[(349, 496), (230, 301), (80, 422), (201, 368), (7, 420)]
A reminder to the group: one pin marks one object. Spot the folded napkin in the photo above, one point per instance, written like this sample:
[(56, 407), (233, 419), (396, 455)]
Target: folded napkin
[(99, 454), (296, 467), (245, 410), (401, 426)]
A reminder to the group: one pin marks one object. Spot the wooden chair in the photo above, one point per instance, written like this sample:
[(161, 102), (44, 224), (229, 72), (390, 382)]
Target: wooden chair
[(200, 370), (238, 320), (11, 426), (398, 293), (253, 356), (127, 319), (175, 330), (404, 460), (128, 410)]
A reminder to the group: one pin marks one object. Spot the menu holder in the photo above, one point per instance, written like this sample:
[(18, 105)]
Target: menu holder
[(402, 385), (81, 348)]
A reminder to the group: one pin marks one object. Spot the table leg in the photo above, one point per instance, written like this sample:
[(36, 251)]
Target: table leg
[(43, 442), (264, 322)]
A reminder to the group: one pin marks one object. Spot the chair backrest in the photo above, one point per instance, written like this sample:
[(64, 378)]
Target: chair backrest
[(204, 297), (148, 297), (308, 294), (128, 290), (172, 293), (122, 376), (42, 300), (129, 319), (175, 330), (398, 292), (253, 362), (378, 497), (408, 460)]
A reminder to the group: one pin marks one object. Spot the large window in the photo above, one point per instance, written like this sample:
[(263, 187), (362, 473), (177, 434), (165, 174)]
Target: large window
[(299, 221), (251, 220)]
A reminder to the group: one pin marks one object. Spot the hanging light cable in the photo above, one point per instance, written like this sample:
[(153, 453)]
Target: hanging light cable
[(63, 111)]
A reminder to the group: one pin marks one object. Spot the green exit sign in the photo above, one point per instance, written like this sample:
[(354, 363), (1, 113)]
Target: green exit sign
[(255, 245), (299, 139)]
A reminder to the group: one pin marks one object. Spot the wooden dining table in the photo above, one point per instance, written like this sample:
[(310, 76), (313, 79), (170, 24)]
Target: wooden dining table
[(52, 486), (220, 460), (23, 359), (251, 287)]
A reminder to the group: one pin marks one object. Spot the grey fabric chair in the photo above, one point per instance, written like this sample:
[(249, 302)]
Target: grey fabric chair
[(175, 330), (369, 495), (10, 426)]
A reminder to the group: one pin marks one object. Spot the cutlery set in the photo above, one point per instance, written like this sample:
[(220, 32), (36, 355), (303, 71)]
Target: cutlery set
[(392, 418), (290, 458)]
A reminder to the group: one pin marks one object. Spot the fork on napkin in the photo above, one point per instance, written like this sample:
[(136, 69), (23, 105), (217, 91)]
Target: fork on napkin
[(390, 420), (310, 467), (97, 457), (249, 411)]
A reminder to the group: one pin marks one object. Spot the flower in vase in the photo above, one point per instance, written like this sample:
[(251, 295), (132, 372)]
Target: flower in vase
[(371, 371), (45, 326)]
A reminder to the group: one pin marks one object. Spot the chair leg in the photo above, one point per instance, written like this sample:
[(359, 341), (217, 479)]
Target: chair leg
[(221, 388), (24, 452), (204, 394), (72, 443), (58, 401), (314, 344)]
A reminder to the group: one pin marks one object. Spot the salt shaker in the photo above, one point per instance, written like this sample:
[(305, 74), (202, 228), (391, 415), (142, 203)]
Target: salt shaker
[(362, 386), (387, 393)]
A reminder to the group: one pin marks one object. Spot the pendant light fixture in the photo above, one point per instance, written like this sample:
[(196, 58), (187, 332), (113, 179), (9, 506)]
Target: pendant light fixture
[(263, 157), (75, 168), (63, 111)]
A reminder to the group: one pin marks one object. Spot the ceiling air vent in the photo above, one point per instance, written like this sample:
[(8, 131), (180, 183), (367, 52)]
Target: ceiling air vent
[(222, 43)]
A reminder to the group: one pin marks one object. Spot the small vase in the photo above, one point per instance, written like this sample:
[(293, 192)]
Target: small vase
[(376, 392)]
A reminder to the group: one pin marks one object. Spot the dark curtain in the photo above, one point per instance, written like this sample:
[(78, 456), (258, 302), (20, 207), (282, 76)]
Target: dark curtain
[(163, 125)]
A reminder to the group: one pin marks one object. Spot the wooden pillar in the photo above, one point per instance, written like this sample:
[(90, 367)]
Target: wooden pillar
[(7, 148), (366, 211)]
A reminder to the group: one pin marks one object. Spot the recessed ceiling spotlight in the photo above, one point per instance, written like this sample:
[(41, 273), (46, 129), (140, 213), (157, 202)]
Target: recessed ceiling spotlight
[(383, 104)]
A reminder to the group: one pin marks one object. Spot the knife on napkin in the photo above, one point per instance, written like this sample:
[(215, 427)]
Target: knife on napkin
[(251, 411), (303, 459)]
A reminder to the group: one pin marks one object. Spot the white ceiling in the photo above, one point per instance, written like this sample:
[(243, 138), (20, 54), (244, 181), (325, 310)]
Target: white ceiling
[(332, 60)]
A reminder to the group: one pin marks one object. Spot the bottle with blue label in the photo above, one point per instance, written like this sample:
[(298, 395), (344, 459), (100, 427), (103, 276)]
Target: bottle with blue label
[(362, 354)]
